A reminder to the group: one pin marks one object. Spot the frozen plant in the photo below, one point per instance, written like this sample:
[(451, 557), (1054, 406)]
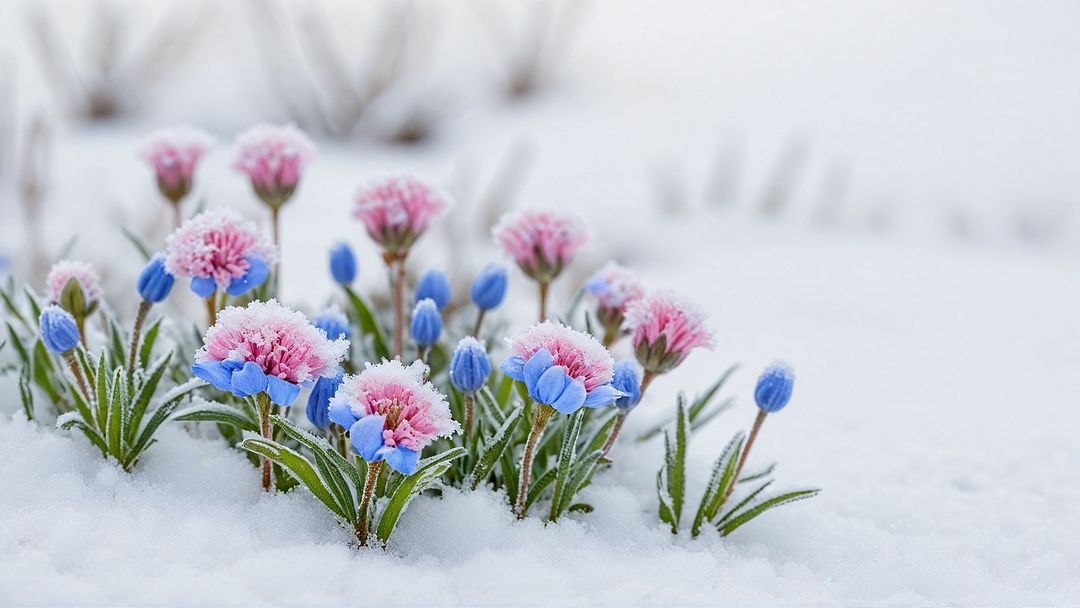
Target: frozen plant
[(174, 154), (487, 292), (75, 286), (615, 287)]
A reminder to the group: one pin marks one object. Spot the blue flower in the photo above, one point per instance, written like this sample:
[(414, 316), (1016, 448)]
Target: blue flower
[(773, 390), (550, 384), (256, 274), (469, 365), (489, 288), (318, 402), (434, 284), (627, 380), (343, 264), (246, 379), (366, 436), (58, 329), (426, 323), (334, 323), (155, 282)]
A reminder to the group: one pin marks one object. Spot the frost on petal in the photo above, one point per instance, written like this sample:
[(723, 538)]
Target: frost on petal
[(217, 244), (582, 355), (542, 242), (397, 210), (65, 270), (662, 314)]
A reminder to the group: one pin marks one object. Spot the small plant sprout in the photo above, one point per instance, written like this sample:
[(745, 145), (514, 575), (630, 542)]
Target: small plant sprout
[(273, 158), (614, 287), (219, 250), (343, 264), (396, 211), (268, 352), (562, 369), (488, 291), (542, 242), (174, 154), (434, 285), (426, 326), (469, 370), (75, 286)]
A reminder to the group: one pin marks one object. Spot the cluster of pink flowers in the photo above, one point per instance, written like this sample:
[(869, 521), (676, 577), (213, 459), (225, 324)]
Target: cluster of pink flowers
[(665, 328), (273, 157), (174, 153), (542, 242), (397, 210), (63, 271), (219, 249)]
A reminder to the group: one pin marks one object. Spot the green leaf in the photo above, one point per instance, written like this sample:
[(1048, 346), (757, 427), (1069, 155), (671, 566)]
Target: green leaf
[(41, 367), (737, 521), (666, 510), (142, 398), (510, 474), (536, 490), (427, 473), (18, 344), (220, 413), (32, 300), (719, 482), (116, 345), (297, 466), (138, 243), (147, 347), (703, 399), (581, 507), (116, 414), (72, 419), (14, 310), (494, 448), (742, 503), (25, 393), (579, 478), (567, 451), (699, 413), (72, 298), (600, 436), (675, 461), (342, 477), (369, 325), (490, 407), (758, 474)]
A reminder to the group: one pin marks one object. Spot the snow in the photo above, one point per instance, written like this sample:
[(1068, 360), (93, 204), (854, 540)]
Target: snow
[(936, 390)]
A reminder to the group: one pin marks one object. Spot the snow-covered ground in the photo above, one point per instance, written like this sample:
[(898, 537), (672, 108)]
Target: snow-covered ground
[(937, 390)]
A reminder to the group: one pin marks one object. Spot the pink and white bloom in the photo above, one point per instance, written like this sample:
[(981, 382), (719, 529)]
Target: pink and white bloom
[(174, 154), (542, 242), (265, 346), (64, 271), (562, 367), (614, 287), (392, 413), (398, 210), (273, 157), (665, 329), (220, 249)]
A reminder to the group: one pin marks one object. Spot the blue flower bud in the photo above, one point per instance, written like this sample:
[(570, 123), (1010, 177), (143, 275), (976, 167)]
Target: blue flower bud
[(627, 380), (469, 365), (318, 403), (343, 264), (434, 284), (426, 323), (489, 288), (155, 282), (773, 390), (334, 323), (58, 329)]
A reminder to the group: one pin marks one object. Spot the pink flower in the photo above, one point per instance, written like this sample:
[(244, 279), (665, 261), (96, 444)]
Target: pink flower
[(83, 273), (580, 355), (219, 249), (541, 242), (273, 158), (392, 413), (265, 346), (397, 210), (665, 329), (615, 286), (174, 154)]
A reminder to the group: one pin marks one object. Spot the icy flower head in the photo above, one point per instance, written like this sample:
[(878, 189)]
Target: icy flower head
[(174, 153), (773, 389), (397, 210), (333, 322), (665, 329), (392, 413), (273, 157), (265, 346), (219, 249), (59, 331), (542, 242), (628, 380), (562, 367), (469, 365), (615, 286), (63, 272)]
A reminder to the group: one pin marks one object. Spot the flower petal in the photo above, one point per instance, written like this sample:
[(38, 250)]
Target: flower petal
[(256, 273), (513, 367), (215, 373), (537, 364), (204, 287), (249, 380), (341, 414), (366, 435), (571, 399), (603, 395), (282, 392), (401, 459), (551, 385)]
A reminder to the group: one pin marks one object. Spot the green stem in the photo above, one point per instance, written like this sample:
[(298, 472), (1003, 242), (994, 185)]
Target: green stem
[(646, 380), (263, 400), (746, 452), (479, 322), (543, 414), (211, 309), (468, 417), (543, 300), (373, 470), (69, 358), (136, 333)]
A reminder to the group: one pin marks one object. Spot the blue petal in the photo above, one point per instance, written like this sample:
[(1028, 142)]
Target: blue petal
[(366, 435), (538, 363), (231, 365), (249, 380), (282, 392), (256, 273), (571, 399), (551, 385), (602, 396), (215, 373), (341, 414), (204, 287), (514, 367), (401, 459)]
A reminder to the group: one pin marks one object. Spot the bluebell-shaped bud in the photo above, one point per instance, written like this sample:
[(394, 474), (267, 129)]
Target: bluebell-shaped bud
[(773, 390), (318, 403), (426, 323), (256, 275), (58, 329), (343, 264), (155, 282), (469, 365), (333, 322), (489, 288), (628, 380), (434, 284)]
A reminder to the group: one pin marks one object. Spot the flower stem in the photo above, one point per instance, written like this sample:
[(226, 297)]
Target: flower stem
[(468, 416), (275, 223), (646, 380), (263, 401), (397, 265), (543, 414), (543, 300), (746, 452), (479, 322), (373, 470), (69, 358), (136, 333), (177, 217), (211, 309)]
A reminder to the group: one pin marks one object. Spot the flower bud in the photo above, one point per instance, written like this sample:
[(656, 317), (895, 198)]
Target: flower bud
[(469, 365), (434, 284), (343, 264), (627, 380), (426, 323), (773, 390), (489, 288), (155, 282), (58, 330), (334, 323), (318, 402)]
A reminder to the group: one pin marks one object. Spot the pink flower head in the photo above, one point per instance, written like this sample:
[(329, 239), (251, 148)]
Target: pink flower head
[(64, 271), (174, 154), (273, 158), (665, 329), (562, 367), (265, 346), (542, 242), (397, 210), (392, 413), (219, 249), (614, 287)]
